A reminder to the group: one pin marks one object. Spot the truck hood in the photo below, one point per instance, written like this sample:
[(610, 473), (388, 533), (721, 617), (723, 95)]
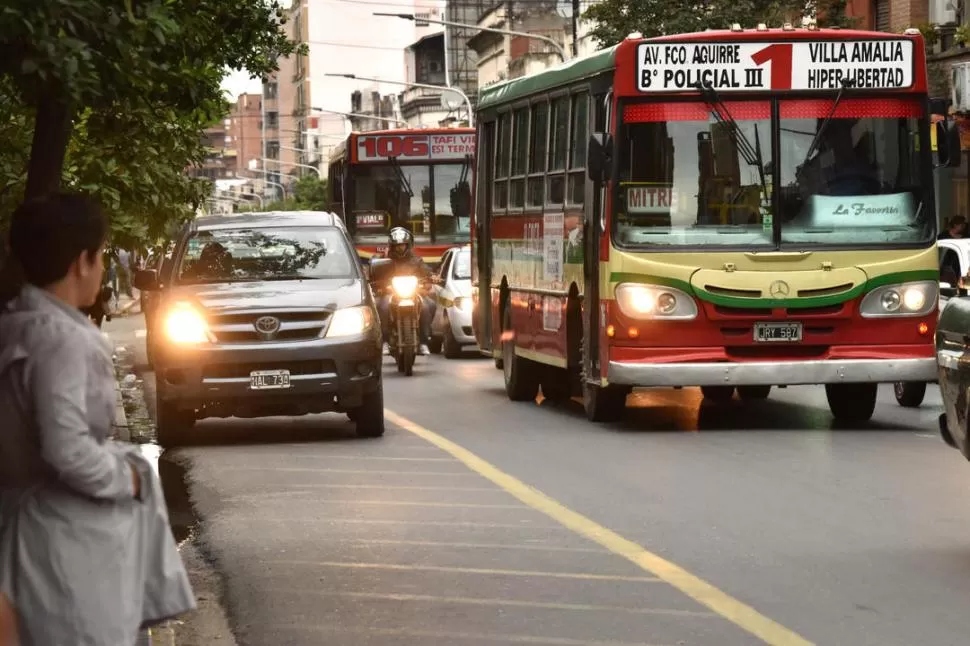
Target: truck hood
[(324, 293)]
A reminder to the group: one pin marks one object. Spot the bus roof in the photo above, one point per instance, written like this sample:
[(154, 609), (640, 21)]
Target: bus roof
[(577, 69)]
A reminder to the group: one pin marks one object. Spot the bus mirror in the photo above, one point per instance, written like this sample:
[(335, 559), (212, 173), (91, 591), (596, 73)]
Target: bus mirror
[(948, 152), (599, 152)]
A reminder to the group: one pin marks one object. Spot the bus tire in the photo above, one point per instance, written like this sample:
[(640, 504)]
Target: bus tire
[(521, 375), (853, 403), (604, 403), (909, 394), (718, 394), (753, 393)]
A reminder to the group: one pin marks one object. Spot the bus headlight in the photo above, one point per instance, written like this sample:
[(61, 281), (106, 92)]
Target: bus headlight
[(404, 286), (655, 302), (905, 299), (185, 325)]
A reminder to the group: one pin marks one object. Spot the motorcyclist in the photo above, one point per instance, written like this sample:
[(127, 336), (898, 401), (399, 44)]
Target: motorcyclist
[(400, 250)]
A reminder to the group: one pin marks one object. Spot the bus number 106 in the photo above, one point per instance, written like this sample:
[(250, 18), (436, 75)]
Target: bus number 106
[(391, 146)]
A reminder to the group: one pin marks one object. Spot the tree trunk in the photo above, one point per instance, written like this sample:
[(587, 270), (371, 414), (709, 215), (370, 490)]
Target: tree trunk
[(52, 132)]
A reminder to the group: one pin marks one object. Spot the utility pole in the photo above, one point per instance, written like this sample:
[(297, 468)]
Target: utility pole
[(575, 28)]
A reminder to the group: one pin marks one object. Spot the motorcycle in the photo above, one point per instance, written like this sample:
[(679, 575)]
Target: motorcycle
[(404, 337)]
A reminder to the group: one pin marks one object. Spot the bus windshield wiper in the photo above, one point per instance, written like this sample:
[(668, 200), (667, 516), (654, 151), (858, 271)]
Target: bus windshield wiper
[(401, 176), (751, 154), (846, 83)]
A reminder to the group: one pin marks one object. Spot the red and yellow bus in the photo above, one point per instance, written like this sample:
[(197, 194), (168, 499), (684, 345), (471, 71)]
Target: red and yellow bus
[(734, 210), (420, 179)]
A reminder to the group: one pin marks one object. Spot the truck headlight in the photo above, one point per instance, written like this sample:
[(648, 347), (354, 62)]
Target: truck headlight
[(350, 321), (404, 286), (905, 299), (185, 325), (463, 303), (655, 302)]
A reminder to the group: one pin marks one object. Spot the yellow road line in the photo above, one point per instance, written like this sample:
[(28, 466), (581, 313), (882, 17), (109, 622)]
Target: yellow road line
[(449, 635), (483, 546), (484, 601), (694, 587), (455, 474), (468, 570)]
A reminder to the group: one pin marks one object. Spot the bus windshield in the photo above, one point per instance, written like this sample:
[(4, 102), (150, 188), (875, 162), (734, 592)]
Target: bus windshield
[(412, 196), (686, 179)]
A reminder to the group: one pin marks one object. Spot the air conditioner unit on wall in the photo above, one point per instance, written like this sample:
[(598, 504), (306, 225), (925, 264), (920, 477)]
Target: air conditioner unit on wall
[(960, 86)]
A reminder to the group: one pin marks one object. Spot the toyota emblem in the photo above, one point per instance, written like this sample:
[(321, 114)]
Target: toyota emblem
[(268, 325), (779, 289)]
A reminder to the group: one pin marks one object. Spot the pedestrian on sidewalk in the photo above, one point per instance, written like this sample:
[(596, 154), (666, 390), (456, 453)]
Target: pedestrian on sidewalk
[(86, 553)]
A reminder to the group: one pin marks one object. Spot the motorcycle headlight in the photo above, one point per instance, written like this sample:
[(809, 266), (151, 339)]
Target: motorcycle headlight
[(404, 286), (185, 325), (350, 321), (655, 302), (905, 299)]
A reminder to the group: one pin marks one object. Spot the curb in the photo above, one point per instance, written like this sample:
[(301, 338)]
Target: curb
[(122, 432)]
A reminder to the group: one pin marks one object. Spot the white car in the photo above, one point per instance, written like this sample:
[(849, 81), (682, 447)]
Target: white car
[(954, 265), (451, 328)]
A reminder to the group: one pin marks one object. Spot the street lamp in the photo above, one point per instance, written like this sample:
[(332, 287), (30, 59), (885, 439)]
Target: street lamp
[(357, 115), (448, 23), (283, 163), (464, 96)]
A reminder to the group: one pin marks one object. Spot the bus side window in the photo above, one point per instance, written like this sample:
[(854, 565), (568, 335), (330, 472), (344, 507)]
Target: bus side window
[(578, 138), (949, 267)]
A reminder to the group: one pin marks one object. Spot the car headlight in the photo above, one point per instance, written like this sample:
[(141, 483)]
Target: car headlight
[(350, 321), (905, 299), (404, 286), (655, 302), (184, 324), (463, 303)]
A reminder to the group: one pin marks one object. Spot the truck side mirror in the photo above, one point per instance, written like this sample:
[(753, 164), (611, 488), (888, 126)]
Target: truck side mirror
[(599, 156), (948, 152), (146, 280)]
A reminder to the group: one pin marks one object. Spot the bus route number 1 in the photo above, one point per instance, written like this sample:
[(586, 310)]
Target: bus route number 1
[(395, 146)]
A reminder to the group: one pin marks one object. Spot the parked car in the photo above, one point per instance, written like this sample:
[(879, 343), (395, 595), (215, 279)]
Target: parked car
[(451, 328), (265, 314), (954, 267)]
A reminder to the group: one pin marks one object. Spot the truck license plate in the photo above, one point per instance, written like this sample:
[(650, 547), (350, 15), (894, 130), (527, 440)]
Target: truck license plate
[(777, 332), (269, 379)]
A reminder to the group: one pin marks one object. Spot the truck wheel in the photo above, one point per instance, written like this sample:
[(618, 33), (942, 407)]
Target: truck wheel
[(753, 393), (369, 417), (435, 345), (852, 403), (718, 394), (521, 375), (172, 426), (909, 393)]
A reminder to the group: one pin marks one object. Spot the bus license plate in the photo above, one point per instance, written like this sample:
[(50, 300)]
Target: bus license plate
[(777, 332), (269, 379)]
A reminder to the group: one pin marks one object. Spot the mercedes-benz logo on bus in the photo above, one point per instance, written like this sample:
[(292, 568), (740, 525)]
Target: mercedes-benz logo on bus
[(267, 325), (779, 289)]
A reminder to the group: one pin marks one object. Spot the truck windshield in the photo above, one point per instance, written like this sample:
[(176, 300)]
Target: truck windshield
[(685, 180), (862, 183)]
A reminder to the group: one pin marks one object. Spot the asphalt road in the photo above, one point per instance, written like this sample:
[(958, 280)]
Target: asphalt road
[(782, 527)]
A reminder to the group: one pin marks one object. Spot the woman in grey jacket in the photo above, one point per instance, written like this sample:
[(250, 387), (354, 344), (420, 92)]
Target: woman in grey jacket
[(86, 555)]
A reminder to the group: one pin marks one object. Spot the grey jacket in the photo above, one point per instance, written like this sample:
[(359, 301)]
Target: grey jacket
[(83, 561)]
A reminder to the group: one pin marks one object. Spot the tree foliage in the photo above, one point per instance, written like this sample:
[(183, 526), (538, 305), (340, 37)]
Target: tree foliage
[(614, 20), (112, 97), (309, 193)]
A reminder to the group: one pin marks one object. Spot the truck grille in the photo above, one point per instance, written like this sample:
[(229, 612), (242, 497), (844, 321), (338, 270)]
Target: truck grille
[(240, 327)]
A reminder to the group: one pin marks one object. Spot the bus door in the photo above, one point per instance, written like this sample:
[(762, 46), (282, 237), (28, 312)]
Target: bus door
[(595, 231), (482, 239)]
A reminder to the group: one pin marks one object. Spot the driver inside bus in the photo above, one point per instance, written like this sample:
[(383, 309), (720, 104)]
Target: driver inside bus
[(404, 262), (844, 167)]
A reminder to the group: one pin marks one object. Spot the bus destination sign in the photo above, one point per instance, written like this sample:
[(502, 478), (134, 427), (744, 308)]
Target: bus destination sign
[(415, 147), (821, 65)]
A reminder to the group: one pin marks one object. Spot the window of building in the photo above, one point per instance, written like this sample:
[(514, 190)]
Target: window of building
[(520, 156), (558, 134), (273, 120), (578, 133), (273, 149), (503, 146), (535, 189), (270, 89)]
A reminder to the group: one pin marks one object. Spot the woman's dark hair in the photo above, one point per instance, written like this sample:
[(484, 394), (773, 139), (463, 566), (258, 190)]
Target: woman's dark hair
[(47, 234)]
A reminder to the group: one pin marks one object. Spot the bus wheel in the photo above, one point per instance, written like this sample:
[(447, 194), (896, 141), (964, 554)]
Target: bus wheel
[(753, 393), (521, 375), (853, 403), (604, 403), (909, 393), (718, 394)]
